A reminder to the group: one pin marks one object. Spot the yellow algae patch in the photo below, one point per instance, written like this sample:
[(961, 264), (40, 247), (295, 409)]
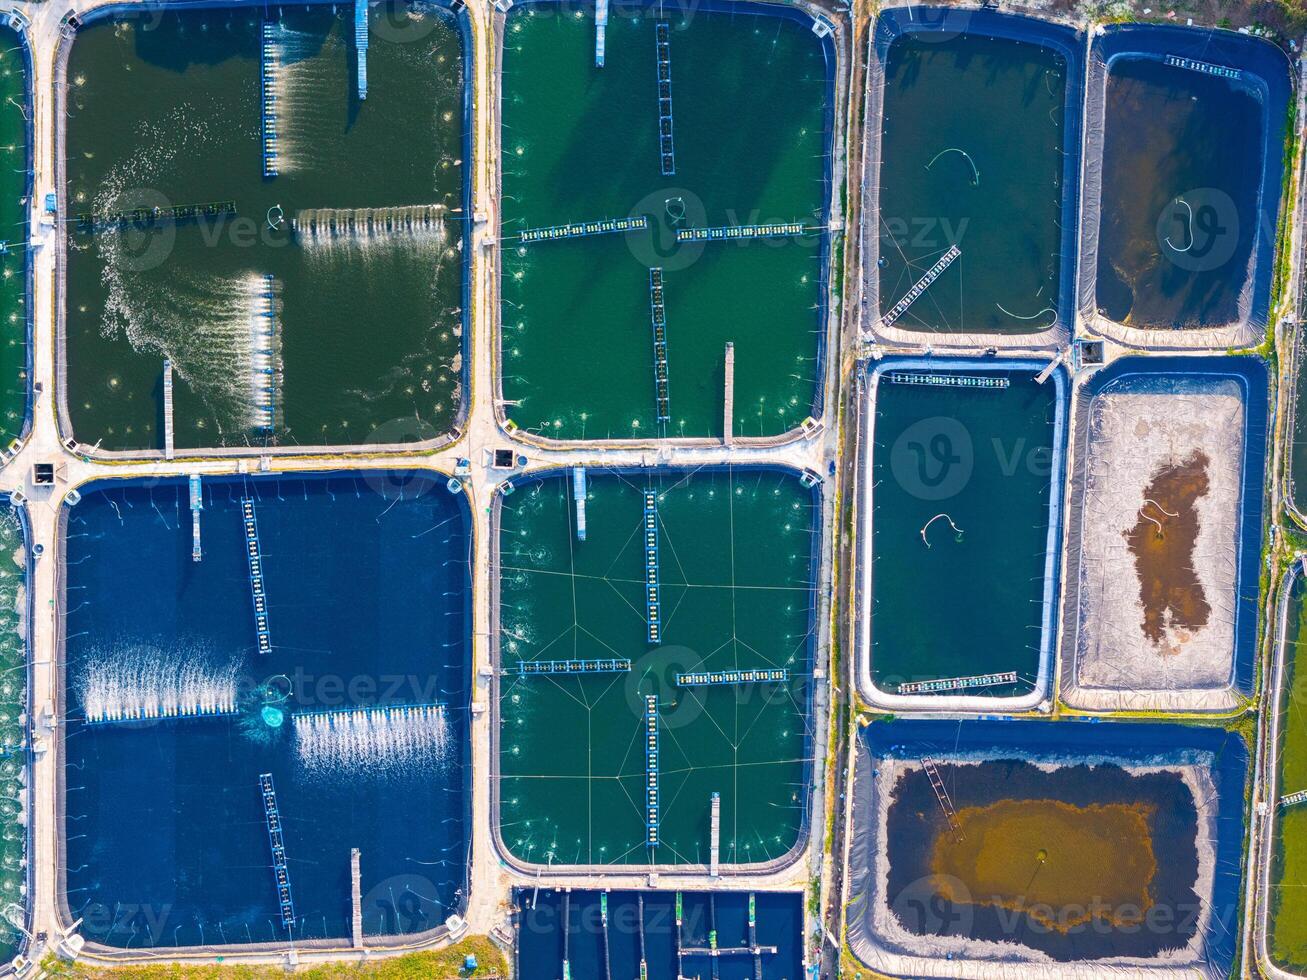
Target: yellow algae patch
[(1062, 865)]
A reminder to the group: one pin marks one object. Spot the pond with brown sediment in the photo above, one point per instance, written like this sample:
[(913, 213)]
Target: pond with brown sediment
[(1162, 542)]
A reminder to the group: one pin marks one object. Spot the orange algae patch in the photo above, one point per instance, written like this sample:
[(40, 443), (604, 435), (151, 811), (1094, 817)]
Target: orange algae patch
[(1060, 864)]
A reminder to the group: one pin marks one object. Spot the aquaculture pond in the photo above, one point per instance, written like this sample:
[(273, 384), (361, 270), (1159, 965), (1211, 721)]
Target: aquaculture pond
[(321, 299), (658, 935), (1287, 938), (282, 677), (619, 719), (14, 190), (1045, 843), (1165, 527), (978, 145), (1189, 126), (13, 736), (747, 118), (962, 500)]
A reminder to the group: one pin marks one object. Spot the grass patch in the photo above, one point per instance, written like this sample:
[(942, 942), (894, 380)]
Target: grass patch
[(441, 964)]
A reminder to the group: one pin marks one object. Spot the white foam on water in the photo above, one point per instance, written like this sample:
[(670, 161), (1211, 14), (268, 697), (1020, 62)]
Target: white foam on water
[(144, 683), (379, 740)]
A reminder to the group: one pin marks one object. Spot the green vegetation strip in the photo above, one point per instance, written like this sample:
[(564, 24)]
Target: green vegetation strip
[(444, 964)]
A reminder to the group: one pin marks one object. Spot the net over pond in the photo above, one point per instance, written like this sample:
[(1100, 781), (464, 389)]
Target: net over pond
[(731, 242), (314, 300), (973, 127), (1165, 535), (1052, 848), (695, 749), (1184, 163), (961, 504), (216, 785)]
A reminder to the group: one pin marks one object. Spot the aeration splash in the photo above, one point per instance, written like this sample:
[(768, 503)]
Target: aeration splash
[(379, 739), (145, 683)]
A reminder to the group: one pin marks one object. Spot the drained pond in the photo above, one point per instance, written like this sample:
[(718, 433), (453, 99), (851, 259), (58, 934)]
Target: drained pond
[(315, 296), (1045, 843)]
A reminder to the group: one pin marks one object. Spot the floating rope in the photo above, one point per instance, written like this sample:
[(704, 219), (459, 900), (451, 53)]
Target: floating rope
[(1189, 225), (1046, 309), (957, 530), (975, 180)]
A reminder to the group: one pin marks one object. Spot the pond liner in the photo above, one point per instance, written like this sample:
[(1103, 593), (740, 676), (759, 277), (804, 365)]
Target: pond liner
[(1053, 547), (1265, 74), (1250, 373), (1222, 757), (948, 22)]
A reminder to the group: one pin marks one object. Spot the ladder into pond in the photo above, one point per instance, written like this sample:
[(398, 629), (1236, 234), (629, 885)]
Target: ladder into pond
[(941, 794)]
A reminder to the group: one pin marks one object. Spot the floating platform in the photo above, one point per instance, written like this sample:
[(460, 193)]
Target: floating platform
[(269, 62), (272, 816), (601, 31), (578, 498), (653, 600), (1293, 799), (99, 220), (737, 232), (666, 144), (584, 229), (1205, 67), (613, 666), (136, 715), (361, 45), (257, 593), (197, 505), (168, 450), (946, 380), (651, 769), (658, 319), (958, 683), (263, 355), (722, 678), (921, 285)]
